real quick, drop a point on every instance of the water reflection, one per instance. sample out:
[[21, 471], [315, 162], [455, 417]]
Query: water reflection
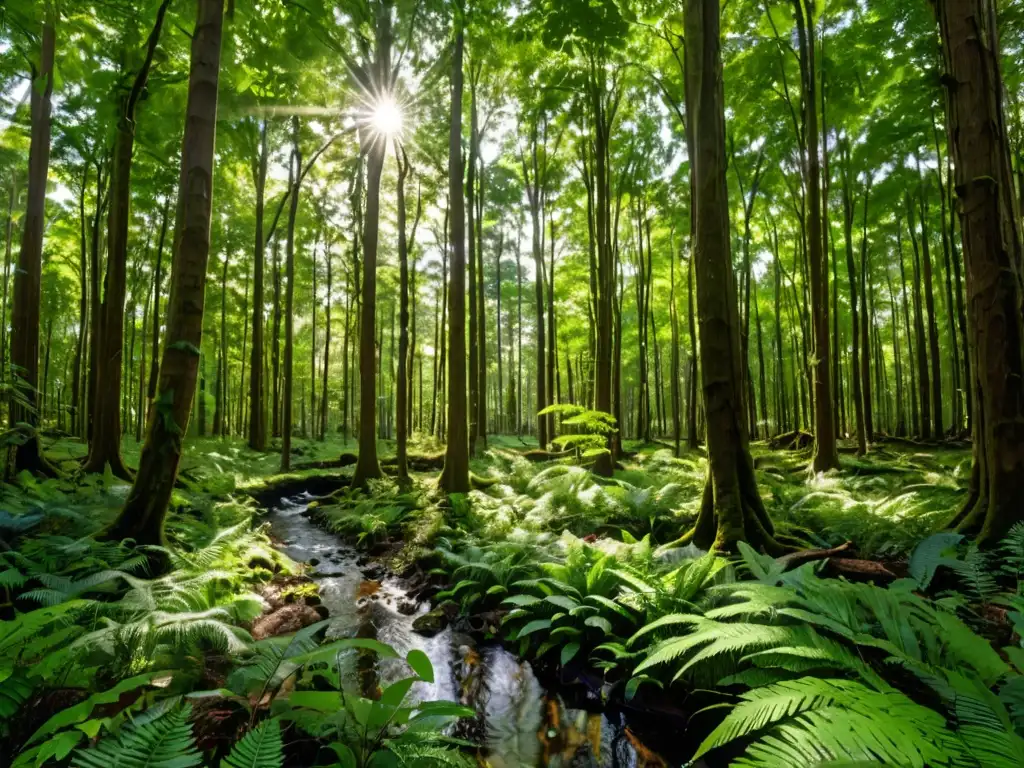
[[519, 723]]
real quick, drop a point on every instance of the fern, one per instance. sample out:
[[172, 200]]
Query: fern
[[164, 742], [259, 748], [809, 721]]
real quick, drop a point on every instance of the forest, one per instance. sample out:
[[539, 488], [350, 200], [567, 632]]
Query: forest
[[512, 383]]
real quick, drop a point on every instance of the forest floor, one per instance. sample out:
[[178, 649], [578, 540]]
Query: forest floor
[[543, 562]]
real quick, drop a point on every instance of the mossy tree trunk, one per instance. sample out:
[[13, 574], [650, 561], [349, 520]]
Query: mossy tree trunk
[[142, 517], [993, 257], [731, 509]]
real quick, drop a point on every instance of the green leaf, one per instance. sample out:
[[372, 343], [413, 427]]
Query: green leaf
[[259, 748], [420, 663], [569, 652], [534, 626]]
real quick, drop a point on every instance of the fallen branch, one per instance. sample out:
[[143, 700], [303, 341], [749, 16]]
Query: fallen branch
[[795, 559]]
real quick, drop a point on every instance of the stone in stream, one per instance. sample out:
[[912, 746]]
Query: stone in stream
[[435, 621]]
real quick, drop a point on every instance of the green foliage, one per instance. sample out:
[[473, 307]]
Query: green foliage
[[163, 741], [259, 748]]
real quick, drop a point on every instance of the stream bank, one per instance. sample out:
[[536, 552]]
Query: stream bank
[[526, 717]]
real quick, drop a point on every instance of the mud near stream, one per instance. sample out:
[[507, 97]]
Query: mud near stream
[[520, 724]]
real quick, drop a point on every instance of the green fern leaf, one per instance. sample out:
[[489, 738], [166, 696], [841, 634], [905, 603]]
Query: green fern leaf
[[165, 742], [259, 748]]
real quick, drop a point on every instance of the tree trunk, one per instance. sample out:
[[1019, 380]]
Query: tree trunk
[[855, 302], [919, 337], [289, 319], [143, 514], [220, 401], [374, 146], [993, 257], [275, 347], [27, 277], [474, 363], [83, 303], [105, 443], [154, 364], [402, 403], [933, 329], [257, 386], [677, 425], [481, 325], [731, 509], [455, 475], [946, 228], [866, 316], [327, 344]]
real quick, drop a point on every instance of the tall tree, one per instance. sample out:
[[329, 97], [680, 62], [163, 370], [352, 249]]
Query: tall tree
[[455, 474], [374, 145], [105, 441], [28, 276], [990, 225], [142, 517], [731, 508]]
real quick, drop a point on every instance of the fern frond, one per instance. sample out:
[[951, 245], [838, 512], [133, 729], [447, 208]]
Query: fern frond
[[165, 742], [259, 748]]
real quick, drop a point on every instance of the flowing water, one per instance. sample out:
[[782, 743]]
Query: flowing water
[[523, 724]]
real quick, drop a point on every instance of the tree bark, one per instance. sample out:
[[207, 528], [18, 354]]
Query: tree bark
[[455, 475], [27, 277], [374, 146], [105, 443], [993, 256], [933, 329], [143, 514], [289, 320], [731, 509], [257, 391], [402, 403], [919, 336]]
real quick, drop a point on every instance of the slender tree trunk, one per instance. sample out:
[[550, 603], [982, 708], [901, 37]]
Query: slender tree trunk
[[914, 423], [866, 316], [455, 475], [143, 514], [220, 404], [257, 386], [289, 318], [402, 404], [855, 304], [502, 427], [552, 353], [919, 337], [275, 347], [154, 370], [242, 421], [27, 277], [327, 344], [677, 425], [105, 443], [933, 329]]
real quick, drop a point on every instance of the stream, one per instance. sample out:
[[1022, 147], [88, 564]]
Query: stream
[[523, 723]]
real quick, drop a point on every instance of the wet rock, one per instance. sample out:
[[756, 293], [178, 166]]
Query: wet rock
[[435, 621], [407, 607], [284, 620], [314, 561], [374, 572], [322, 611]]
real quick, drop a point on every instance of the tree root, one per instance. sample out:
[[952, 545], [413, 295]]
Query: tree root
[[795, 559]]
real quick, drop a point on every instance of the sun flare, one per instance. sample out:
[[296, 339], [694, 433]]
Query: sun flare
[[386, 117]]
